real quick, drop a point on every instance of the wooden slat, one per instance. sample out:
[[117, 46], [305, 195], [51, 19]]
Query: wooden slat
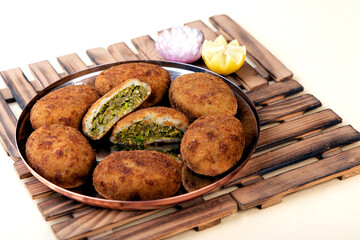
[[331, 152], [59, 206], [95, 222], [19, 85], [248, 75], [297, 152], [44, 72], [37, 189], [272, 190], [121, 52], [100, 56], [290, 130], [146, 47], [182, 220], [209, 34], [7, 130], [255, 50], [6, 94], [249, 78], [262, 73], [21, 170], [278, 89], [71, 63], [286, 107]]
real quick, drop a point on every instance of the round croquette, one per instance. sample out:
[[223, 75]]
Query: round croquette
[[60, 154], [137, 175], [197, 94], [157, 77], [65, 106], [213, 144]]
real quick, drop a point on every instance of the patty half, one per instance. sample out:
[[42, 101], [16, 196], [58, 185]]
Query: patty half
[[157, 77], [150, 125], [65, 106], [137, 175], [198, 94], [107, 110], [61, 154], [213, 144]]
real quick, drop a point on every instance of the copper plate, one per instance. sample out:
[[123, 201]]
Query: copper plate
[[246, 113]]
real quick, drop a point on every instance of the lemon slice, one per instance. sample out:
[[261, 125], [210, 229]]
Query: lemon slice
[[223, 57]]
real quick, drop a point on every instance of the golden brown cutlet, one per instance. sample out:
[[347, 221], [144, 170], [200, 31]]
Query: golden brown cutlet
[[213, 144], [60, 154], [137, 175], [198, 94], [65, 106]]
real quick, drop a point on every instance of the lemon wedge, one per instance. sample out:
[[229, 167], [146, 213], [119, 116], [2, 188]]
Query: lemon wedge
[[223, 57]]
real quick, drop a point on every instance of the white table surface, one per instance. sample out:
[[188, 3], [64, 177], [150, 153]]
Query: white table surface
[[317, 40]]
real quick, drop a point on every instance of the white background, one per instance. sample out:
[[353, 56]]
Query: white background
[[317, 40]]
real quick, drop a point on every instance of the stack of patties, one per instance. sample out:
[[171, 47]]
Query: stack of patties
[[123, 104], [56, 149], [215, 140], [125, 87]]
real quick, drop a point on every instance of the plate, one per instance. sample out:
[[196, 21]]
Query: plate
[[246, 113]]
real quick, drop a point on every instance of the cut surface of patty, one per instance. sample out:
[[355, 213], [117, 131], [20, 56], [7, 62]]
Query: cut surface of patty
[[142, 132], [106, 111], [126, 100]]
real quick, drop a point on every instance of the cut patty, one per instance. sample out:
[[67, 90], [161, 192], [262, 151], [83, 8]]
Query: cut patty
[[157, 77], [150, 125], [107, 110]]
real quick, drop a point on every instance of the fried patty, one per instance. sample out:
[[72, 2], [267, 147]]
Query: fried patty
[[150, 125], [65, 106], [197, 94], [115, 104], [60, 154], [154, 75], [213, 144], [137, 175]]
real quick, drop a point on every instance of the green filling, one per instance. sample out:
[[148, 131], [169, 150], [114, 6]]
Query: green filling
[[141, 133], [126, 100], [170, 149]]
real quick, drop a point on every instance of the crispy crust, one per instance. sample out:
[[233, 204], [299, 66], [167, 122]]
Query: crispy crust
[[137, 175], [161, 115], [65, 106], [154, 75], [91, 113], [61, 154], [198, 94], [213, 144]]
